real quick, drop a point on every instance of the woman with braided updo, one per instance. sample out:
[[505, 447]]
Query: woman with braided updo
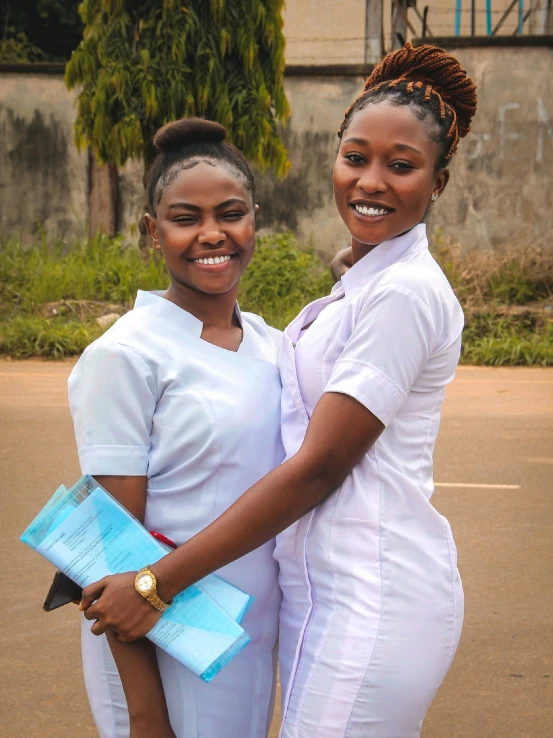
[[372, 601]]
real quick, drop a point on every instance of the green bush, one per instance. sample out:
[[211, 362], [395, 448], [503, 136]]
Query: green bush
[[83, 278], [282, 279]]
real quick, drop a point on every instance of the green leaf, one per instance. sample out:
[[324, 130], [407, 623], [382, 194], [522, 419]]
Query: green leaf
[[141, 64]]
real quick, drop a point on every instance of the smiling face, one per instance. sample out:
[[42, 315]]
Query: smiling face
[[205, 228], [385, 174]]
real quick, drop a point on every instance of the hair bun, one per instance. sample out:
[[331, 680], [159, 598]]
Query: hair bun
[[186, 131], [434, 67]]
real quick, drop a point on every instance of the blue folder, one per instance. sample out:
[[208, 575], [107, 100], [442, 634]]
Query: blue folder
[[87, 534]]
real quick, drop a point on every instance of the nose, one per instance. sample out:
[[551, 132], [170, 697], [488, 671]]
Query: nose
[[212, 235], [372, 179]]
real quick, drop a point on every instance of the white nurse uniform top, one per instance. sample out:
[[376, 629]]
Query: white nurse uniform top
[[150, 397], [372, 601]]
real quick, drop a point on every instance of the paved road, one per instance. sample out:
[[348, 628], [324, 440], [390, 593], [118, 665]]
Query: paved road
[[497, 430]]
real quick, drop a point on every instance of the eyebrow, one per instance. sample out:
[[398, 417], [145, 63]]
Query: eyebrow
[[362, 141], [197, 209], [400, 146], [406, 147], [183, 206]]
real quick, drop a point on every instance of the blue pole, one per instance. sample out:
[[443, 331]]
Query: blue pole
[[458, 18], [489, 17], [520, 16]]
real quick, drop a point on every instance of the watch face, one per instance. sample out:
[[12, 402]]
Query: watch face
[[144, 583]]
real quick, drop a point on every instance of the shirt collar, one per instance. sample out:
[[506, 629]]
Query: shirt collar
[[384, 255], [156, 303]]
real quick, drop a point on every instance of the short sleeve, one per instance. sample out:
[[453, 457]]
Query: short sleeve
[[112, 398], [388, 348]]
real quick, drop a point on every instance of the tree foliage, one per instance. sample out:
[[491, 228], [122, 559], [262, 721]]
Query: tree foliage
[[142, 63]]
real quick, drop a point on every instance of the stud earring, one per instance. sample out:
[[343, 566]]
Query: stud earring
[[434, 197]]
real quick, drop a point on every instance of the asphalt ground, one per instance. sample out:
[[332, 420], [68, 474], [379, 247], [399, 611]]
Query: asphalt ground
[[497, 430]]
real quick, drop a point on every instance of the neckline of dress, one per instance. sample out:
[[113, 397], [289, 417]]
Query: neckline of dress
[[381, 257], [384, 255], [155, 299]]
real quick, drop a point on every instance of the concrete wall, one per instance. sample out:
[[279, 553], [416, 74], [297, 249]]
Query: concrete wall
[[500, 190], [43, 178]]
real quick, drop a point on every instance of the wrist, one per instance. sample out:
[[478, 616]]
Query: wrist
[[167, 589]]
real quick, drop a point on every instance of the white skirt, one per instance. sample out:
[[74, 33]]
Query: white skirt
[[363, 645]]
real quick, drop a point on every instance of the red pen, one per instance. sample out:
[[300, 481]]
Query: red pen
[[163, 539]]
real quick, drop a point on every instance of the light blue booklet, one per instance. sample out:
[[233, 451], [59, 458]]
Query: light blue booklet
[[87, 534]]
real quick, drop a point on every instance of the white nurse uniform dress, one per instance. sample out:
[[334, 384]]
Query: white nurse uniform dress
[[372, 601], [150, 397]]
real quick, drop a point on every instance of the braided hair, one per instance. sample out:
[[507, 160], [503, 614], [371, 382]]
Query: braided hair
[[183, 143], [430, 80]]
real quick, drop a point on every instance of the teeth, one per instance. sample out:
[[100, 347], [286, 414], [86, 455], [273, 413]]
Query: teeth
[[370, 211], [214, 259]]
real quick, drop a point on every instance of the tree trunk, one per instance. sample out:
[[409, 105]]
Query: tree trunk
[[102, 197]]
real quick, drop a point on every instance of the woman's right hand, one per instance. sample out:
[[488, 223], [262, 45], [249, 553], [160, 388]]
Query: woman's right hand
[[342, 262]]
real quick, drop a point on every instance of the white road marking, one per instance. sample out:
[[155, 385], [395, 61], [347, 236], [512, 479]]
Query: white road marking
[[33, 374], [489, 380], [477, 486]]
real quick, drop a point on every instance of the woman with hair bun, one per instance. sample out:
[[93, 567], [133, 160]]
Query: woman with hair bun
[[177, 412], [372, 604]]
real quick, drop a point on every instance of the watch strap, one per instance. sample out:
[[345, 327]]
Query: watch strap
[[157, 602], [152, 596]]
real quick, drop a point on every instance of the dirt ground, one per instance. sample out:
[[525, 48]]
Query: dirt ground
[[494, 468]]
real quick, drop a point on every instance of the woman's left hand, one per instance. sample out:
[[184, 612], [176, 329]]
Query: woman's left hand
[[115, 605]]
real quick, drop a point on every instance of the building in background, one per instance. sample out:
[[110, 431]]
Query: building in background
[[334, 31], [500, 192]]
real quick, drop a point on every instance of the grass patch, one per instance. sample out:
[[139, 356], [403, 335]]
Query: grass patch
[[52, 294], [483, 278], [507, 296], [25, 336], [497, 340], [101, 269]]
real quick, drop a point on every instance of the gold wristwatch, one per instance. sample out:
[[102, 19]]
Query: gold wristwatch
[[145, 584]]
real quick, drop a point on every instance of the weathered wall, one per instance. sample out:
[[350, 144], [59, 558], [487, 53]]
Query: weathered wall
[[43, 178], [500, 190], [304, 201]]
